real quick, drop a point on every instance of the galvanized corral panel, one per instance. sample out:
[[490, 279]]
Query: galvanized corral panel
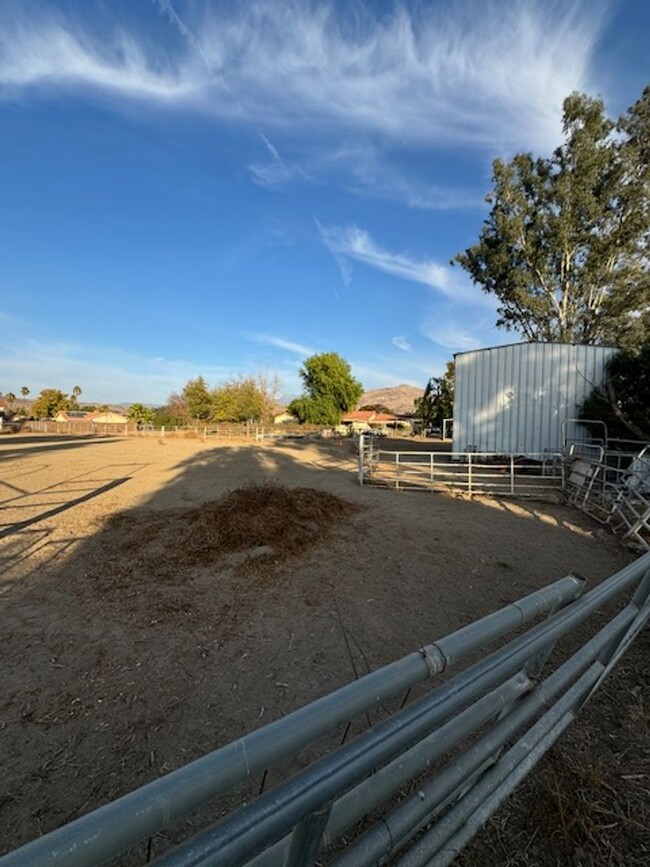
[[513, 399]]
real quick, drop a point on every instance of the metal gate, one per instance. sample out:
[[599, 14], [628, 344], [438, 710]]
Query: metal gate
[[506, 708], [532, 475]]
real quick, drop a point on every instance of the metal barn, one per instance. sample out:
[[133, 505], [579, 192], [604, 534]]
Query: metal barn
[[513, 399]]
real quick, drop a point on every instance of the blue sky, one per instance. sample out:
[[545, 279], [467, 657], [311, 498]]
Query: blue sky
[[227, 187]]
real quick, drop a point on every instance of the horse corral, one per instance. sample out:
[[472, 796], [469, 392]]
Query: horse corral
[[133, 644]]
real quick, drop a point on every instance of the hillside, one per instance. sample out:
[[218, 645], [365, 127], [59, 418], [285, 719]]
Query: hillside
[[398, 399]]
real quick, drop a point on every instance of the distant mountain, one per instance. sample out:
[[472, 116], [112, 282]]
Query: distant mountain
[[398, 399]]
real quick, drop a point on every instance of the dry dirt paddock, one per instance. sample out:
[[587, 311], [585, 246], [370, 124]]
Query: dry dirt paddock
[[128, 651]]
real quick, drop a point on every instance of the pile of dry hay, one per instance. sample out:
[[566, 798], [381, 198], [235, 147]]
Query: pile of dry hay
[[272, 519]]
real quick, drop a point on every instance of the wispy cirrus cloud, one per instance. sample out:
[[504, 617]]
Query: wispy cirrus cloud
[[448, 331], [45, 49], [456, 316], [374, 175], [275, 172], [352, 243], [401, 343], [482, 73], [281, 343]]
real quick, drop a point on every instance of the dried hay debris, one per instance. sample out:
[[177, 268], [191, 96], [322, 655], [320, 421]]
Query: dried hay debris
[[268, 521]]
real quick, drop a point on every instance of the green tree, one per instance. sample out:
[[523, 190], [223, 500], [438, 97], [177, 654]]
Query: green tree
[[198, 399], [10, 398], [49, 402], [140, 413], [24, 391], [437, 402], [623, 400], [76, 394], [566, 245], [330, 390], [246, 398]]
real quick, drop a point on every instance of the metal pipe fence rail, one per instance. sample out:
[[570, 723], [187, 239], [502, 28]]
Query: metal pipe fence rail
[[536, 474], [496, 717]]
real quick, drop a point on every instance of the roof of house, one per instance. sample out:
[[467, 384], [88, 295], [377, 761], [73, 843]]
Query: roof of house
[[108, 418], [368, 415], [74, 413]]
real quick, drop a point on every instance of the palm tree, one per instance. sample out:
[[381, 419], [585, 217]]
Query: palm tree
[[10, 397], [24, 391]]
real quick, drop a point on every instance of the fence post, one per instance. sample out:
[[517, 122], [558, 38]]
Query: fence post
[[431, 462], [396, 470], [469, 472], [361, 444], [512, 474]]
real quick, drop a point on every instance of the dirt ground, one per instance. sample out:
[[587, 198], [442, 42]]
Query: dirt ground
[[124, 659]]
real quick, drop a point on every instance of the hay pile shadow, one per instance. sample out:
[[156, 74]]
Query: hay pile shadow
[[268, 522]]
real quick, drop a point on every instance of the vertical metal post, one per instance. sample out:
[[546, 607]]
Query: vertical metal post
[[431, 469], [361, 460], [306, 839], [396, 469], [512, 474], [469, 472]]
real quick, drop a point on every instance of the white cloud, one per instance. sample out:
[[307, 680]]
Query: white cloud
[[450, 335], [374, 175], [106, 373], [281, 343], [401, 343], [48, 50], [276, 172], [351, 242], [457, 317], [476, 72], [459, 327], [422, 197], [271, 149]]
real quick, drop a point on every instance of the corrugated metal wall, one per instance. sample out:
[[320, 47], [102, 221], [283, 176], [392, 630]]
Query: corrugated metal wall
[[513, 399]]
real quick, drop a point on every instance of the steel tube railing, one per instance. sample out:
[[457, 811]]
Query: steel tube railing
[[380, 786], [411, 814], [261, 824], [502, 792], [459, 825], [474, 472], [111, 829]]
